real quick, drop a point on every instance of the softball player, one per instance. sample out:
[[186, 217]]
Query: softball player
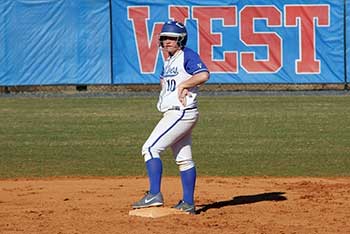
[[183, 72]]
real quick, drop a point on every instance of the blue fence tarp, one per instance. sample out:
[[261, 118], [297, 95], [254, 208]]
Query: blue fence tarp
[[55, 42]]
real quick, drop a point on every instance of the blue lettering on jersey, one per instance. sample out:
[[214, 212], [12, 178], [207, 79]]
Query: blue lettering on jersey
[[171, 71]]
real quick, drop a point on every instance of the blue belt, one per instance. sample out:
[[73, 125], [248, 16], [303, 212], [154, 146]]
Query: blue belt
[[178, 108]]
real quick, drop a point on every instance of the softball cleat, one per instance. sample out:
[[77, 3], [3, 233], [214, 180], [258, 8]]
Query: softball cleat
[[185, 207], [149, 200]]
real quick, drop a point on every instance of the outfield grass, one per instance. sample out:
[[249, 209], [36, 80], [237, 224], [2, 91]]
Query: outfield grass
[[236, 136]]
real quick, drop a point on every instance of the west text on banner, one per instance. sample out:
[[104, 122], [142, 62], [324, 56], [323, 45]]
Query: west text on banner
[[250, 41]]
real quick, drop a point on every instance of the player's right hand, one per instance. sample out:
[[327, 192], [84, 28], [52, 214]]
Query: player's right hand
[[182, 96]]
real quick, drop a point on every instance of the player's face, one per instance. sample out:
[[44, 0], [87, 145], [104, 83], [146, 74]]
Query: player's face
[[170, 44]]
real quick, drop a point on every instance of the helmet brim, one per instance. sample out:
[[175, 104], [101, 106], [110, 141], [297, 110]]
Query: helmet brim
[[172, 34]]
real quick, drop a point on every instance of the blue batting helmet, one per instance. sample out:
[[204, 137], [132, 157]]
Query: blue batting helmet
[[174, 29]]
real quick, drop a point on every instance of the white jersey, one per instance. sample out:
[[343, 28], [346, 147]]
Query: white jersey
[[180, 67]]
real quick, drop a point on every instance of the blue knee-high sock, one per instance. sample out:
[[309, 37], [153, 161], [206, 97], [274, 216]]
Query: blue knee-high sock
[[154, 170], [188, 179]]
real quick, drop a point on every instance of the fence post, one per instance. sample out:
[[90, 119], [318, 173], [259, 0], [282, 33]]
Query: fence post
[[346, 84], [111, 38]]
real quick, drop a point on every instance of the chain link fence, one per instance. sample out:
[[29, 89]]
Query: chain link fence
[[154, 88]]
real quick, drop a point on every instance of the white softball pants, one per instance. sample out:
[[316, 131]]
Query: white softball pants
[[173, 130]]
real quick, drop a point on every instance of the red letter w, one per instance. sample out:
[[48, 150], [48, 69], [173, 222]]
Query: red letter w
[[147, 50]]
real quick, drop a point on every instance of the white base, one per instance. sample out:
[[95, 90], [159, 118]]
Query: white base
[[155, 212]]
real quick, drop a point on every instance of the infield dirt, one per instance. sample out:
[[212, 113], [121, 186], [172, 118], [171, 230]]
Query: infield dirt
[[224, 205]]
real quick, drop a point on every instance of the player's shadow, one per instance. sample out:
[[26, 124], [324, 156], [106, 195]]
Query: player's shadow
[[242, 200]]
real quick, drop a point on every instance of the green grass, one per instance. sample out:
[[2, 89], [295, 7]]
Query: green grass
[[235, 136]]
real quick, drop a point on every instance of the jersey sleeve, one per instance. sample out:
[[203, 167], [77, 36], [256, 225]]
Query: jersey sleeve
[[193, 63]]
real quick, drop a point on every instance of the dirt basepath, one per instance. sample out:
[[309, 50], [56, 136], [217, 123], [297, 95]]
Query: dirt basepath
[[225, 205]]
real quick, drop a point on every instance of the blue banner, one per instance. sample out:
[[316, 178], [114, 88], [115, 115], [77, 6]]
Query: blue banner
[[116, 41], [251, 41], [54, 42]]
